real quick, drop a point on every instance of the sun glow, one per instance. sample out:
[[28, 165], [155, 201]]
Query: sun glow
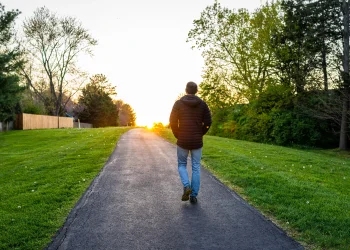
[[153, 110], [148, 120], [150, 125]]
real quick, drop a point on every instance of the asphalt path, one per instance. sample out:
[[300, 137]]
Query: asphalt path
[[135, 203]]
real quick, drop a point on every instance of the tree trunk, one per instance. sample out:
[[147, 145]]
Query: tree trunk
[[344, 120], [324, 66], [324, 47]]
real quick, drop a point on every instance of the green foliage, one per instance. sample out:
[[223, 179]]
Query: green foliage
[[32, 109], [274, 118], [308, 43], [30, 104], [290, 128], [236, 49], [296, 59], [98, 107], [304, 191], [9, 96], [256, 127], [274, 98], [214, 89], [219, 117], [282, 124], [43, 173], [9, 64]]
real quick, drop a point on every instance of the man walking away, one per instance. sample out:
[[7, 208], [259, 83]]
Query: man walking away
[[190, 119]]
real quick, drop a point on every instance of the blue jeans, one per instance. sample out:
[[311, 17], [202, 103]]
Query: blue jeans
[[196, 155]]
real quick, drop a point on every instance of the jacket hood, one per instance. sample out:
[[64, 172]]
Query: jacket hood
[[191, 100]]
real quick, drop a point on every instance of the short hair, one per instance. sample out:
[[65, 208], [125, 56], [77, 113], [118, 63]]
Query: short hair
[[191, 88]]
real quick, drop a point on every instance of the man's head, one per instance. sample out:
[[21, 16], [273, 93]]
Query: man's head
[[191, 88]]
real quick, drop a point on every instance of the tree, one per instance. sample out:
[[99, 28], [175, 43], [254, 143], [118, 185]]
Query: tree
[[98, 107], [9, 64], [311, 31], [296, 58], [52, 45], [127, 116], [325, 32], [236, 48], [346, 78]]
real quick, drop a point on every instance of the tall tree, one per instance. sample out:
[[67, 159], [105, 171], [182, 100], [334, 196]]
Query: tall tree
[[52, 45], [325, 32], [311, 31], [237, 45], [9, 65], [295, 55], [98, 107], [346, 78]]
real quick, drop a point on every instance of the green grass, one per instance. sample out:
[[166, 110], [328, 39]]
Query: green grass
[[43, 173], [306, 192]]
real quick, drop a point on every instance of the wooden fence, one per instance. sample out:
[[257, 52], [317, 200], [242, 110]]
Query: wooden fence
[[29, 121]]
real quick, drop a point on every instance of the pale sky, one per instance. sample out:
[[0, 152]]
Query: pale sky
[[141, 47]]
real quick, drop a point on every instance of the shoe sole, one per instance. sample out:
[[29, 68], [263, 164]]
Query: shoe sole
[[186, 196]]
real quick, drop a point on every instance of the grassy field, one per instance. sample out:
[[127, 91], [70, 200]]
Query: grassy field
[[43, 173], [306, 192]]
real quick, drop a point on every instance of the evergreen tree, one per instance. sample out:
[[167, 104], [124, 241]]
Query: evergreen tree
[[325, 33], [311, 33], [9, 64], [98, 107], [344, 127]]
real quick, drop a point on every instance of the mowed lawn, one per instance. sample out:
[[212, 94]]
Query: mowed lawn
[[43, 173], [306, 192]]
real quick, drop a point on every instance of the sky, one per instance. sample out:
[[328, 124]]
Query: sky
[[142, 46]]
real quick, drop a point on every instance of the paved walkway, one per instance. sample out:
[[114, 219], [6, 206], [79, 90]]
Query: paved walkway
[[135, 203]]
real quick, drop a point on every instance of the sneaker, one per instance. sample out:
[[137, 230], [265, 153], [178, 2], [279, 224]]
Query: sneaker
[[186, 195], [193, 199]]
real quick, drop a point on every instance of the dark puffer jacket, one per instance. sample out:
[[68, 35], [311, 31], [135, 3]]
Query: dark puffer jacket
[[190, 119]]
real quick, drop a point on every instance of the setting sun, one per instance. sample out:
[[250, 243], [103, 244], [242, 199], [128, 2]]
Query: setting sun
[[154, 111]]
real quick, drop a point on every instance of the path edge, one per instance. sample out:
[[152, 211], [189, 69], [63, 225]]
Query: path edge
[[60, 235]]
